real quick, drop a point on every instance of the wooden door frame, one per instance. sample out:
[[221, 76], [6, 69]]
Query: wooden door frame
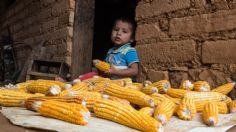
[[82, 45]]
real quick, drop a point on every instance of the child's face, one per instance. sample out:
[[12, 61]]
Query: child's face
[[121, 33]]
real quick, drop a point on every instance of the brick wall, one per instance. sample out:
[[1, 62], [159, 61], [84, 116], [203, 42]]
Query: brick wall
[[187, 39], [33, 21]]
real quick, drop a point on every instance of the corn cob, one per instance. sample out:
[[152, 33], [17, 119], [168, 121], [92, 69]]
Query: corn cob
[[125, 115], [164, 111], [187, 109], [201, 86], [162, 85], [28, 103], [14, 98], [158, 98], [224, 89], [61, 84], [146, 83], [175, 100], [228, 100], [186, 85], [122, 101], [80, 86], [176, 93], [205, 96], [89, 97], [232, 106], [133, 96], [101, 65], [22, 86], [210, 114], [222, 106], [149, 90], [47, 88], [70, 112], [138, 85], [147, 111]]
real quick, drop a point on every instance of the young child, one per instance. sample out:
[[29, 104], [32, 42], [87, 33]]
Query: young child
[[122, 56]]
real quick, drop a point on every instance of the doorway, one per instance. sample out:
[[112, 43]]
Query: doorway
[[106, 11]]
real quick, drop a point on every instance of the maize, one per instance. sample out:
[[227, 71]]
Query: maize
[[147, 111], [28, 103], [164, 111], [205, 96], [232, 106], [14, 98], [186, 85], [224, 89], [70, 112], [222, 106], [162, 85], [201, 86], [61, 84], [187, 109], [176, 93], [210, 114], [133, 96], [125, 115], [122, 101], [149, 90], [47, 88], [101, 65]]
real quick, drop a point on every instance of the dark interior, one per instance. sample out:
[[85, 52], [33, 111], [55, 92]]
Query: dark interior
[[106, 11]]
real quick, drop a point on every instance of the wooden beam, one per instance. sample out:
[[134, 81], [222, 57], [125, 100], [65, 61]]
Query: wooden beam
[[82, 37]]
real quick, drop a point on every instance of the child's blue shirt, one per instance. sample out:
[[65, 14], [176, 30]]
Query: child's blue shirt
[[122, 57]]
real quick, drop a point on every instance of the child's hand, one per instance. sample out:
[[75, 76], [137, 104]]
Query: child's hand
[[111, 71]]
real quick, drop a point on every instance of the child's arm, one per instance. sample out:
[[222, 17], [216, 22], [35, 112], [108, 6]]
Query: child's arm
[[130, 72]]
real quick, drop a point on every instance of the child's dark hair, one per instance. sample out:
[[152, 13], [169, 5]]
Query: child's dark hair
[[133, 26]]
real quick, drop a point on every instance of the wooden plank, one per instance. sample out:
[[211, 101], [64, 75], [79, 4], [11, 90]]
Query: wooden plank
[[82, 37], [42, 74]]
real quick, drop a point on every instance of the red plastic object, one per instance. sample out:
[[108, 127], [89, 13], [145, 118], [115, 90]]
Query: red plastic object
[[87, 75]]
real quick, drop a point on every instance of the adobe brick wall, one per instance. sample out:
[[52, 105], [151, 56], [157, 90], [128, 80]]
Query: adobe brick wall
[[32, 21], [187, 39]]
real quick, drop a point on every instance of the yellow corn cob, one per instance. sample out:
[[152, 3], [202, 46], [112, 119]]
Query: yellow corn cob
[[158, 98], [89, 97], [14, 98], [28, 103], [122, 101], [96, 87], [101, 65], [186, 85], [224, 89], [228, 100], [175, 100], [22, 86], [126, 115], [162, 85], [176, 93], [187, 109], [201, 86], [80, 86], [149, 90], [222, 106], [147, 111], [139, 85], [210, 114], [47, 88], [61, 84], [232, 106], [146, 83], [164, 111], [133, 96], [205, 96], [70, 112]]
